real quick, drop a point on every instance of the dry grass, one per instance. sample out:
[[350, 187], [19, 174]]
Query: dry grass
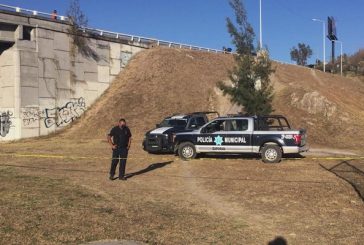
[[166, 201], [43, 210], [65, 201]]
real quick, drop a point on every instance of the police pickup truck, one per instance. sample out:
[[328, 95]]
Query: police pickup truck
[[270, 136], [160, 139]]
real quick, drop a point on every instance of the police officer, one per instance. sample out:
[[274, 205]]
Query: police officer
[[120, 139]]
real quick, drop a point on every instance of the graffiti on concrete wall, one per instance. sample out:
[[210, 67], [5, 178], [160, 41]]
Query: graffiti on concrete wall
[[5, 123], [60, 116], [30, 116], [125, 57]]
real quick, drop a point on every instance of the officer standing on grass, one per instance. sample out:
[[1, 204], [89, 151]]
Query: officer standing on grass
[[120, 139]]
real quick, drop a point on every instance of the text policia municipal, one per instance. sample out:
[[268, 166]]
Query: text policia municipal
[[210, 139]]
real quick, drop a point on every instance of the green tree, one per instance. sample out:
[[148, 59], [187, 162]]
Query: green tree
[[301, 54], [251, 87]]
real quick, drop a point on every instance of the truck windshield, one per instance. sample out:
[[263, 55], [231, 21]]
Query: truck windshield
[[173, 123]]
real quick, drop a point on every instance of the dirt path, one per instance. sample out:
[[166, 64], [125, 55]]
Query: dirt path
[[214, 203], [217, 204], [317, 79]]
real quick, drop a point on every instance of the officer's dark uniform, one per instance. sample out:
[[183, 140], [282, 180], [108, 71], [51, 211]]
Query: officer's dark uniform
[[120, 138]]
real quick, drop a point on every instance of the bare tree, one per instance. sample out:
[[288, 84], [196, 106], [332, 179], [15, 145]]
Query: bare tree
[[79, 20]]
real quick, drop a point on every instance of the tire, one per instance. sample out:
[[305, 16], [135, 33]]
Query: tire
[[186, 151], [271, 154]]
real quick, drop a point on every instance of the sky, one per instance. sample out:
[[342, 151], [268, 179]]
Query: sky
[[285, 23]]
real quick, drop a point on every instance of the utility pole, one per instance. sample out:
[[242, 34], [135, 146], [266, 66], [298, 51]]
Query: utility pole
[[341, 56], [333, 54], [260, 25]]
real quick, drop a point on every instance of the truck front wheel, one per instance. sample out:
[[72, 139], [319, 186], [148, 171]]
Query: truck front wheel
[[187, 151], [271, 153]]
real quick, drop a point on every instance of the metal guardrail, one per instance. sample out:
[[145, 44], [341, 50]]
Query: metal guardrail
[[147, 40], [116, 35], [31, 12]]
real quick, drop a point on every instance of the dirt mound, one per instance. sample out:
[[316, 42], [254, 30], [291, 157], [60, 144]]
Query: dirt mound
[[160, 82], [156, 83], [329, 106]]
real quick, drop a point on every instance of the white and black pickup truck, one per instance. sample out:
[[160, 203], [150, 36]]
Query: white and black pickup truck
[[271, 136], [160, 139]]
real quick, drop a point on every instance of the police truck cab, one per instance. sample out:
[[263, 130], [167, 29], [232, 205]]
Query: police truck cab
[[271, 136]]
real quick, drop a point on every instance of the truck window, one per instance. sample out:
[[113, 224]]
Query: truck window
[[193, 123], [263, 124], [200, 121], [196, 122], [214, 126], [237, 125], [173, 123]]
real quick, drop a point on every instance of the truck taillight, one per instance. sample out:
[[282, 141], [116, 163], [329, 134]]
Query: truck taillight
[[297, 139]]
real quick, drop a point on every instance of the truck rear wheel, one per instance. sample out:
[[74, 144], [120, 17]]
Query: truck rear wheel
[[187, 151], [271, 153]]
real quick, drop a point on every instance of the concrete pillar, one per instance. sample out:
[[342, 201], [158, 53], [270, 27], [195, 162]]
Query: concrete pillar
[[19, 33], [17, 94]]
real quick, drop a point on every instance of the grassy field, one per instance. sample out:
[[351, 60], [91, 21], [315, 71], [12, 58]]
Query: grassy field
[[167, 201]]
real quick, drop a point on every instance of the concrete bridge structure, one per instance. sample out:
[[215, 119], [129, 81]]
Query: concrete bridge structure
[[46, 81]]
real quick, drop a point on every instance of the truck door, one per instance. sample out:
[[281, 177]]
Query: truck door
[[238, 135], [211, 137]]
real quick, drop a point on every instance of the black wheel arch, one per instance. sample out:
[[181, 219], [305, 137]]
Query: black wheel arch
[[271, 141], [179, 142]]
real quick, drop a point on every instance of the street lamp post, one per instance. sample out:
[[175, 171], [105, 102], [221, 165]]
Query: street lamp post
[[323, 38], [260, 25], [341, 56]]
